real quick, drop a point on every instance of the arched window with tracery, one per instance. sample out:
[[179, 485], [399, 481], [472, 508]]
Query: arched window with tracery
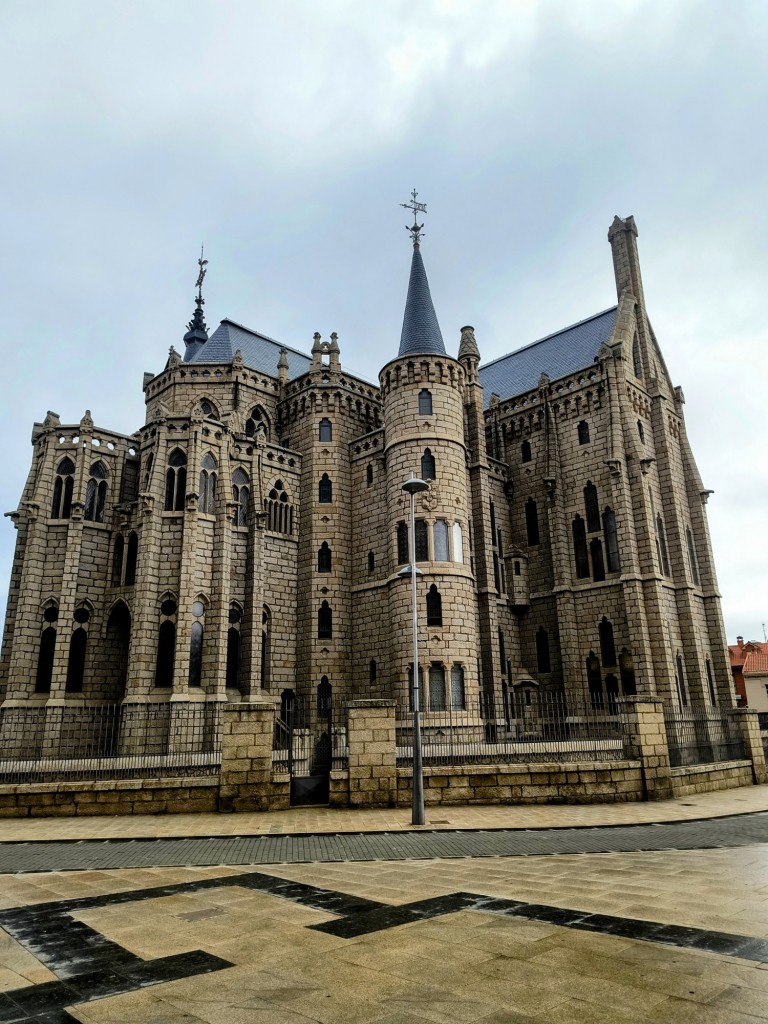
[[324, 558], [324, 622], [47, 650], [257, 420], [207, 498], [62, 490], [403, 555], [209, 410], [279, 510], [427, 465], [176, 481], [96, 493], [579, 534], [607, 643], [325, 490], [131, 559], [532, 522], [241, 493], [117, 561], [611, 541], [196, 635], [543, 660], [434, 607], [425, 402], [591, 508], [77, 651]]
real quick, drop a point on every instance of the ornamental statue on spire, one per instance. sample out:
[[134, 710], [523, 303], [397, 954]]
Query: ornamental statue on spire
[[197, 333]]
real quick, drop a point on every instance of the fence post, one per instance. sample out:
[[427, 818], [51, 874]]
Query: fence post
[[645, 740], [372, 753], [246, 756], [747, 722]]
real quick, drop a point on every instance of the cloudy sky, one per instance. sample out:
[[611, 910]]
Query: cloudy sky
[[283, 134]]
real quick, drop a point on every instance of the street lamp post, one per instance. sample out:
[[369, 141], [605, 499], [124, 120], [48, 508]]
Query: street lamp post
[[413, 487]]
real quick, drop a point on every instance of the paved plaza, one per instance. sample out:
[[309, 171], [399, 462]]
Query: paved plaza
[[486, 914]]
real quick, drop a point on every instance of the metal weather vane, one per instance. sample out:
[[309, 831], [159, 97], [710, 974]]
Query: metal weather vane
[[199, 283], [415, 228]]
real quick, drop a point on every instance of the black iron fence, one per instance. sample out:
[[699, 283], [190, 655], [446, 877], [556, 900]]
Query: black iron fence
[[109, 741], [310, 737], [521, 727], [702, 735]]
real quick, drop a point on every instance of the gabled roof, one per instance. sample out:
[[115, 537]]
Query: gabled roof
[[574, 348], [259, 352], [756, 663], [421, 331]]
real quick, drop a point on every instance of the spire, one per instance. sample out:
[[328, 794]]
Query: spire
[[421, 331], [198, 329]]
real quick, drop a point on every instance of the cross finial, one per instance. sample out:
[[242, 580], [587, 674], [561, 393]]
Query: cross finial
[[199, 283], [415, 228]]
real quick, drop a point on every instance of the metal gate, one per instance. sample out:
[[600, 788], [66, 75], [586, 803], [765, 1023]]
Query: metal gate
[[310, 741]]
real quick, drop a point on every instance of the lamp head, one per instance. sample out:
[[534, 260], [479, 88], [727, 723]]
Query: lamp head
[[414, 485]]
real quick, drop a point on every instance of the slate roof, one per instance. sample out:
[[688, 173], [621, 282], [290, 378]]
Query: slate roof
[[574, 348], [259, 352], [421, 331]]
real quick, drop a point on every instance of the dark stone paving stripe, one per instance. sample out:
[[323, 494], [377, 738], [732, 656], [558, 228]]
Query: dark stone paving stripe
[[739, 830]]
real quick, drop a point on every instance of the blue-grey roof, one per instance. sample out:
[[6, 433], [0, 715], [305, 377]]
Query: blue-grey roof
[[259, 352], [421, 331], [574, 348]]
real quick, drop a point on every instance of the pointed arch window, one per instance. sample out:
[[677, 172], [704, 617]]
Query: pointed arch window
[[403, 556], [325, 430], [371, 561], [525, 451], [612, 692], [607, 643], [427, 465], [369, 474], [96, 493], [594, 680], [76, 660], [325, 489], [196, 653], [543, 659], [324, 698], [680, 678], [62, 490], [440, 540], [257, 420], [234, 647], [175, 481], [279, 509], [532, 522], [434, 607], [241, 493], [579, 535], [324, 558], [208, 474], [209, 409], [131, 559], [692, 557], [582, 431], [596, 556], [422, 541], [711, 683], [436, 688], [266, 648], [148, 471], [591, 508], [425, 403], [641, 431], [458, 697], [611, 541], [372, 670], [166, 654], [45, 660], [627, 673], [324, 622], [661, 545], [117, 561]]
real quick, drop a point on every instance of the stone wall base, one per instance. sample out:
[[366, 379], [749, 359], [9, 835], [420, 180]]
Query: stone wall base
[[705, 778], [563, 783], [193, 795]]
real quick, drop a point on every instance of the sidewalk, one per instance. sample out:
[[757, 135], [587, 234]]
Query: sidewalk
[[319, 820]]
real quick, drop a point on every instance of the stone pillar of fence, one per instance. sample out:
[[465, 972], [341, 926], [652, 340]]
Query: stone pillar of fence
[[372, 753], [645, 740], [247, 731], [747, 722]]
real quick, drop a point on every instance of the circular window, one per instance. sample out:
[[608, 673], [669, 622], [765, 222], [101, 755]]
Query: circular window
[[81, 615], [51, 614], [235, 615], [168, 607], [198, 609]]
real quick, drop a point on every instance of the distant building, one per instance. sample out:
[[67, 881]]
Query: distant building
[[749, 665], [250, 536]]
